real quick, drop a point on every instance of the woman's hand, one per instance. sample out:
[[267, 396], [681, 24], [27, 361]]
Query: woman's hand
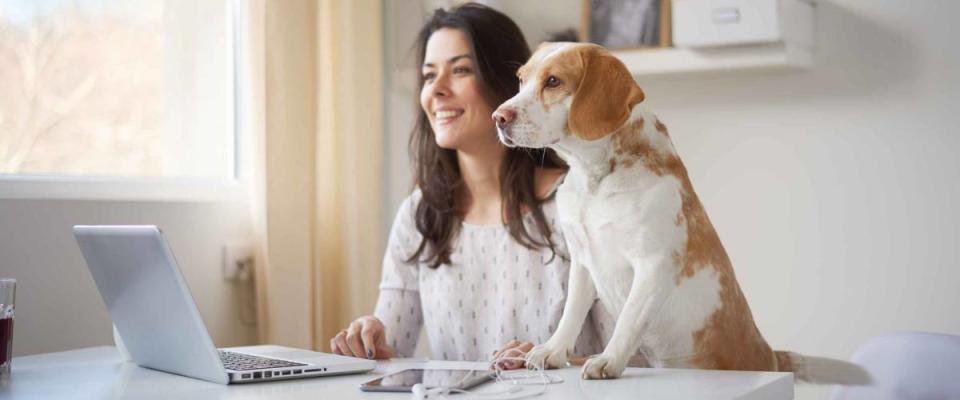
[[513, 349], [364, 338]]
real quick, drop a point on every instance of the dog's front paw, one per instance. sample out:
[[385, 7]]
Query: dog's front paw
[[547, 355], [602, 366]]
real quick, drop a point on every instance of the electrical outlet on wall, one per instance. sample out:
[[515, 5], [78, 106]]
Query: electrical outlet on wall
[[237, 261]]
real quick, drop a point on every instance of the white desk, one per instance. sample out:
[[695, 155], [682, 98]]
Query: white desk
[[98, 373]]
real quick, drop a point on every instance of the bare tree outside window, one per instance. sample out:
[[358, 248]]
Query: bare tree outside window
[[89, 87]]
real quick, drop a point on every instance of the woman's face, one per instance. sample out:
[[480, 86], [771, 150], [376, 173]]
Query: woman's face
[[452, 95]]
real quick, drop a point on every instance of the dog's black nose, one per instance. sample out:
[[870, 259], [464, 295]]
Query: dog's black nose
[[504, 117]]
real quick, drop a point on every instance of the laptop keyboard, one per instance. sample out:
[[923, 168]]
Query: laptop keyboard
[[246, 362]]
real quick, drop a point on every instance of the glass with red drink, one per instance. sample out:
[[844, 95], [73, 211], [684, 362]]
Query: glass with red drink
[[7, 292]]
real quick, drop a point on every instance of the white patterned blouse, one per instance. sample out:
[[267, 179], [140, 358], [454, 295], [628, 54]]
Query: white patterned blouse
[[493, 291]]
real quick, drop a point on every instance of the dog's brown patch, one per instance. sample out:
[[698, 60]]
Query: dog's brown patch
[[784, 362], [703, 245], [567, 66], [629, 140], [730, 339], [661, 127], [631, 145]]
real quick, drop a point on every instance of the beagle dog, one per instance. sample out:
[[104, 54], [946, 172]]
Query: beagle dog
[[638, 236]]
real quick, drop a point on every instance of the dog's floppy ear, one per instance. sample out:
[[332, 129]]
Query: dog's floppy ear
[[605, 97]]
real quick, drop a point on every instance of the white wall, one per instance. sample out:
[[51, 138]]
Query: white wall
[[58, 306], [834, 189]]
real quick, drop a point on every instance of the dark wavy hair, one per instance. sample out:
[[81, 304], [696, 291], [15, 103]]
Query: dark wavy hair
[[499, 49]]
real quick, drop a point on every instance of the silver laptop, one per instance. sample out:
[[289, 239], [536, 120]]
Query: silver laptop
[[159, 323]]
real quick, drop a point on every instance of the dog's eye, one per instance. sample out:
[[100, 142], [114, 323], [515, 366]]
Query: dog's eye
[[551, 82]]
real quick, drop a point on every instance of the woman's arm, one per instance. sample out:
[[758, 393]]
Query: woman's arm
[[400, 312]]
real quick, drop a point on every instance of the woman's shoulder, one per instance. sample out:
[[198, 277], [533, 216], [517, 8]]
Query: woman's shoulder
[[404, 220], [412, 200], [404, 236]]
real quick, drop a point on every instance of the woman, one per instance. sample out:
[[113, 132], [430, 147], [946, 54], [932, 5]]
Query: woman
[[474, 253]]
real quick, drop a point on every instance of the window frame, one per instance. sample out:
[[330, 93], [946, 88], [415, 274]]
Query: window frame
[[34, 187]]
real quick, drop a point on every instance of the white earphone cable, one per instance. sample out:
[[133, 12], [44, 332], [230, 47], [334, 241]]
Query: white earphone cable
[[534, 375]]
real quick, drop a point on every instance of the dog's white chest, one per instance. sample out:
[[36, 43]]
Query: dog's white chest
[[584, 218], [609, 224], [597, 222], [573, 199]]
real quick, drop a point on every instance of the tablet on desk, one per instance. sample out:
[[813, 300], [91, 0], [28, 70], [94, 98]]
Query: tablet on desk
[[403, 381]]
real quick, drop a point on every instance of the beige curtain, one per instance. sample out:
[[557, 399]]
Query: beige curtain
[[316, 190]]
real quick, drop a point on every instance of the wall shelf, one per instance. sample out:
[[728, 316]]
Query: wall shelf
[[703, 60], [731, 35]]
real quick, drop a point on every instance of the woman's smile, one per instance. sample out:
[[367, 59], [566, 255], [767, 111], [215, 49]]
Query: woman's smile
[[445, 116]]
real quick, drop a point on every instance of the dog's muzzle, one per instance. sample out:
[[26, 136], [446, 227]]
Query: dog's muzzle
[[504, 135]]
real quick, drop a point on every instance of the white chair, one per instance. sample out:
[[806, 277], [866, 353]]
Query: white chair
[[907, 366]]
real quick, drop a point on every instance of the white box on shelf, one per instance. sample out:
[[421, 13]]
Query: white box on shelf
[[709, 23], [731, 35]]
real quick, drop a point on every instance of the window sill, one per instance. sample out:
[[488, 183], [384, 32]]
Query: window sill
[[119, 189]]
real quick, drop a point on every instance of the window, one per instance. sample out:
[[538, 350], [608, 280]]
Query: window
[[117, 89]]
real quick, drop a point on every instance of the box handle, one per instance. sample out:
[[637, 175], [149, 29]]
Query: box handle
[[726, 15]]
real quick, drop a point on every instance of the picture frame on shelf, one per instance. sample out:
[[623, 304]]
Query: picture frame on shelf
[[626, 24]]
